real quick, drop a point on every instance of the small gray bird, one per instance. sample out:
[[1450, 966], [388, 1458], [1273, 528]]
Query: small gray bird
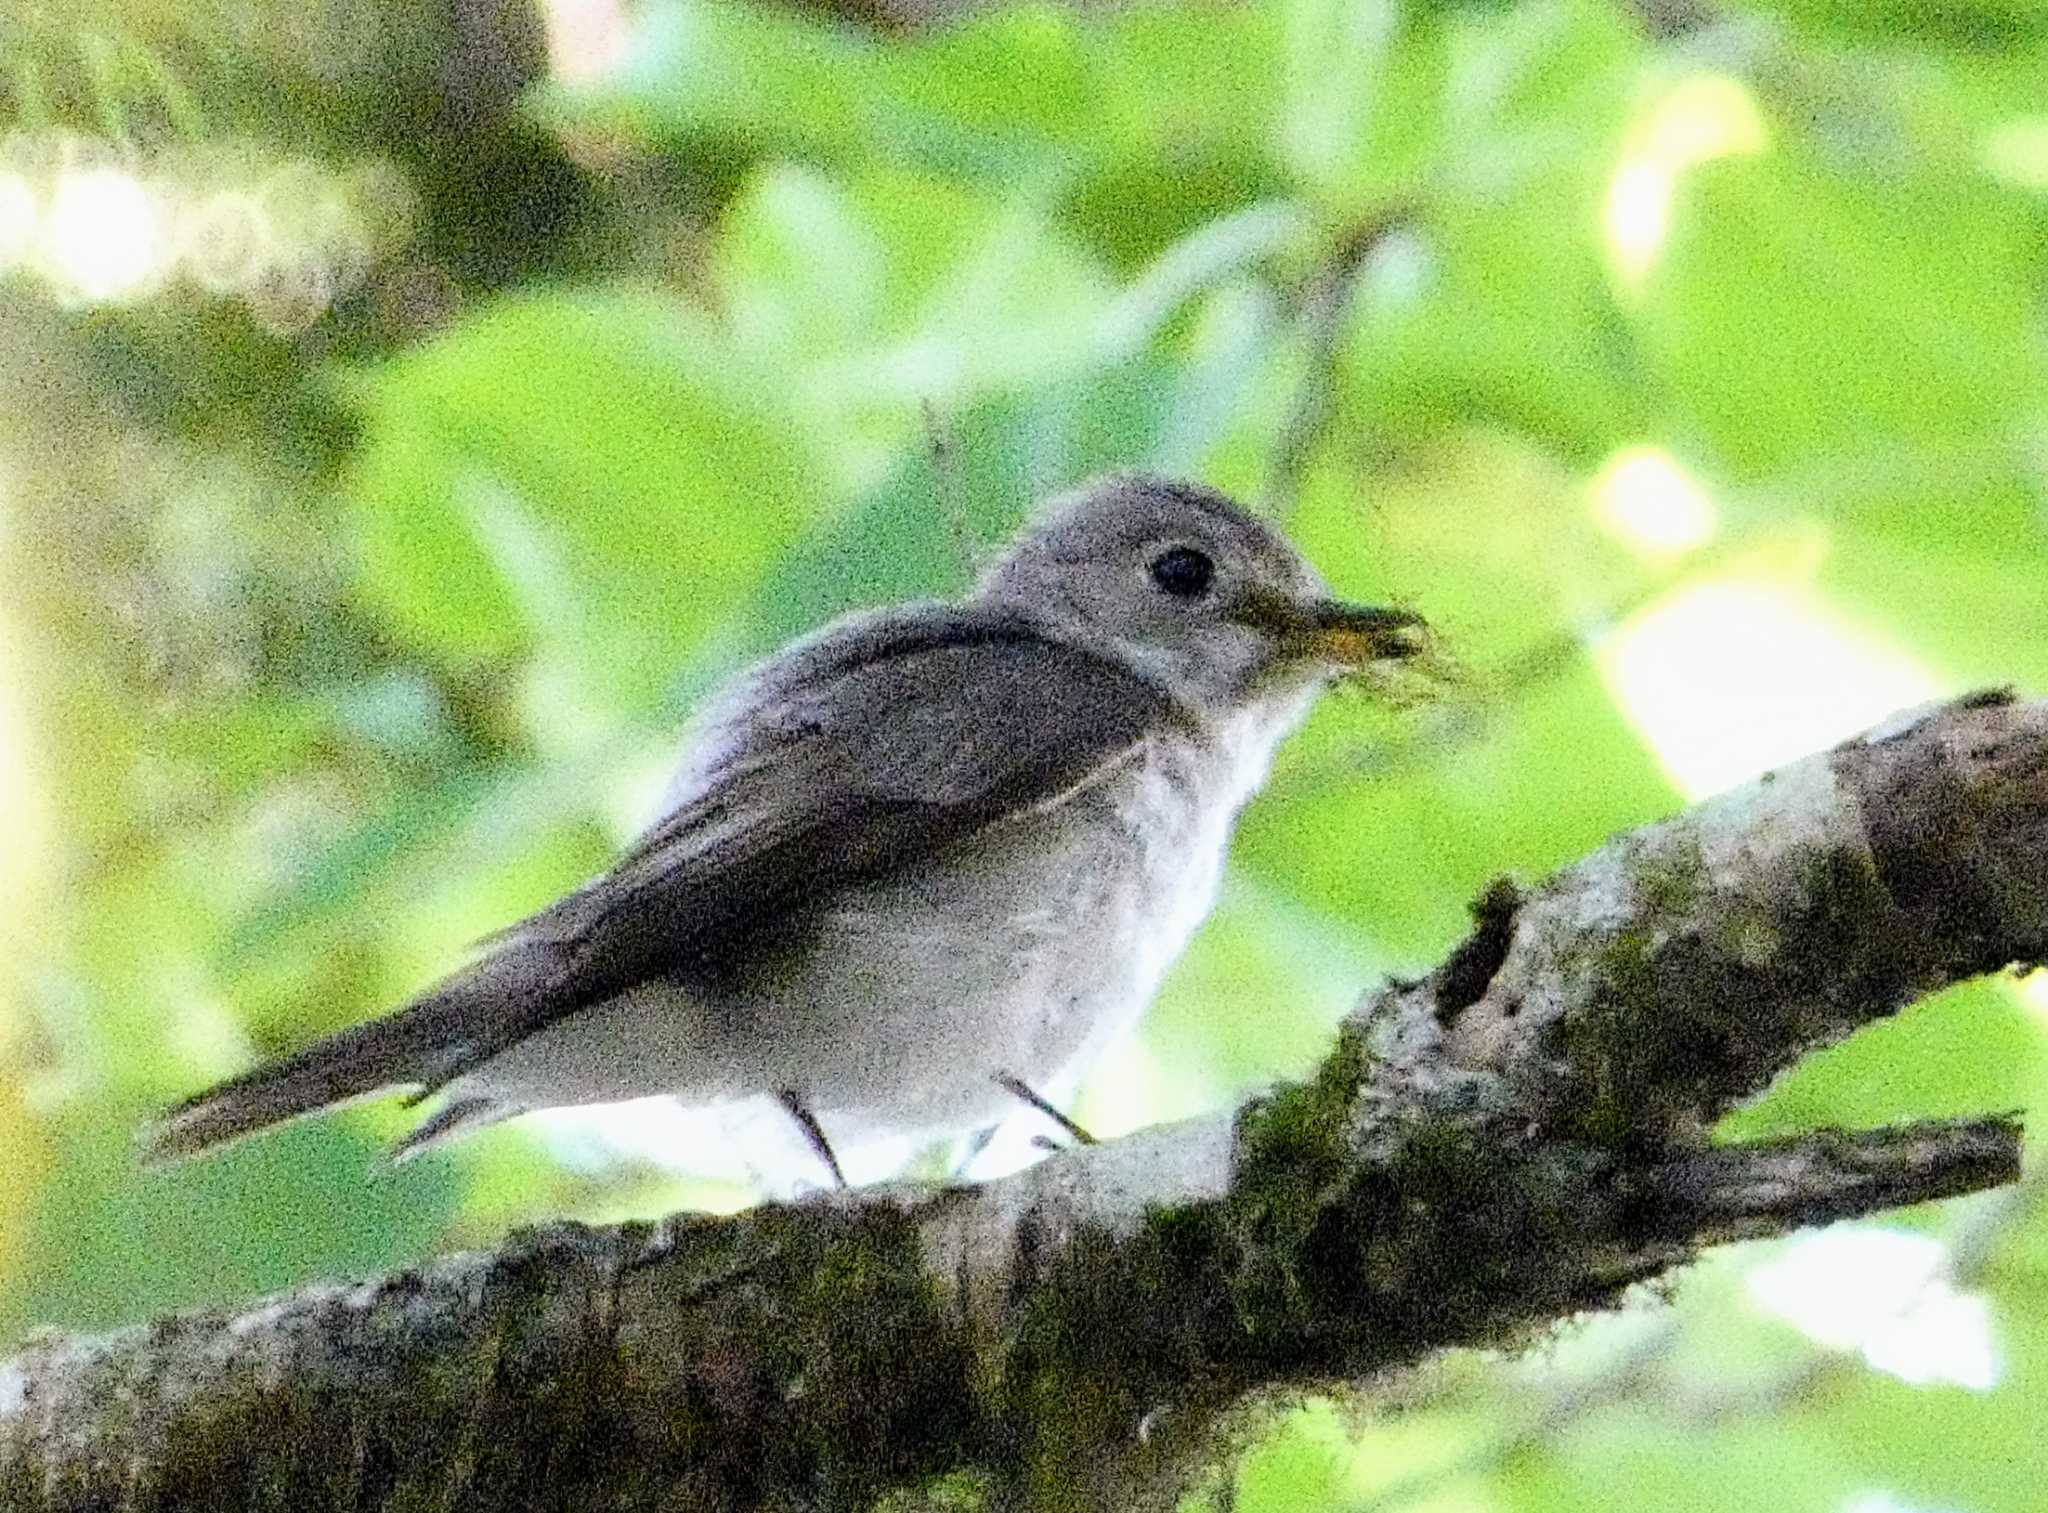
[[917, 865]]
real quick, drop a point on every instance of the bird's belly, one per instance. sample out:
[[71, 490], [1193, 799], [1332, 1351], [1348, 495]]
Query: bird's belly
[[1024, 954], [1026, 967]]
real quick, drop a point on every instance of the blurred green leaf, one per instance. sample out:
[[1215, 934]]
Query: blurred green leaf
[[592, 478], [1748, 1465], [1966, 25], [1959, 1053], [1008, 92], [294, 1206], [1954, 581], [1364, 82], [734, 74], [1873, 310]]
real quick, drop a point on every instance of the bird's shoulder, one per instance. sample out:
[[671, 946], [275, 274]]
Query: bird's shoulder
[[925, 639], [918, 691]]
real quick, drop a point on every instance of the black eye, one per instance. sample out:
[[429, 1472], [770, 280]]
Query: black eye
[[1183, 572]]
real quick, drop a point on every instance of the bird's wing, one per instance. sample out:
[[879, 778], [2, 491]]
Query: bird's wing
[[891, 738], [939, 725]]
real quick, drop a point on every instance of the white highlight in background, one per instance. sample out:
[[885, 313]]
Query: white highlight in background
[[1882, 1293], [1731, 677], [2017, 152], [1884, 1502], [104, 237], [587, 39], [1702, 117], [96, 225], [2032, 992], [1650, 503]]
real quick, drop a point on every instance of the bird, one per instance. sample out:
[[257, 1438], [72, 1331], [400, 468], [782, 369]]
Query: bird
[[913, 867]]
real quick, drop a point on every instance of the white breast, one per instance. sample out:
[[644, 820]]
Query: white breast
[[1181, 809]]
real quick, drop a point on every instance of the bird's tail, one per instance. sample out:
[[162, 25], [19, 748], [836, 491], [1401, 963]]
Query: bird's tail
[[420, 1046]]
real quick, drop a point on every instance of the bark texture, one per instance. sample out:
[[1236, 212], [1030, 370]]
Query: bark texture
[[1516, 1137]]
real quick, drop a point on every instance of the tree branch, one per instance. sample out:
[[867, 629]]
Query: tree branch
[[1516, 1137]]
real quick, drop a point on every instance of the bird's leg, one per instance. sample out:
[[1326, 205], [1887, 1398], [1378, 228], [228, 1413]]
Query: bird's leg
[[976, 1143], [792, 1101], [1018, 1088]]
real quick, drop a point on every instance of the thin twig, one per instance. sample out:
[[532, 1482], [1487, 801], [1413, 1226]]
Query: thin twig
[[1634, 1373], [1669, 20], [1323, 308], [948, 491]]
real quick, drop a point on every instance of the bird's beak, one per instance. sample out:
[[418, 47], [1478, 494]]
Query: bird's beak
[[1352, 635]]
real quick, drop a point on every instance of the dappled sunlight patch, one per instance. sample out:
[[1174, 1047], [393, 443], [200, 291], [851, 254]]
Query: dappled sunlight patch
[[103, 236], [1651, 504], [1885, 1502], [587, 39], [2017, 152], [1698, 119], [1726, 679], [1884, 1294], [96, 225], [1129, 1088], [2032, 992], [18, 213]]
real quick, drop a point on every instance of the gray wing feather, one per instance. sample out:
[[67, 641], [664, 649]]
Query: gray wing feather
[[806, 793], [987, 719]]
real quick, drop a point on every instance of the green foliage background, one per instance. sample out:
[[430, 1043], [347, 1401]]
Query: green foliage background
[[328, 643]]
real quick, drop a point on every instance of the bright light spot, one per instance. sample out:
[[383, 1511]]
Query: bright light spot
[[17, 219], [1646, 499], [586, 38], [1702, 117], [2017, 151], [1882, 1293], [1728, 679], [1125, 1090], [104, 234], [2033, 993], [1638, 217], [1884, 1502], [284, 236]]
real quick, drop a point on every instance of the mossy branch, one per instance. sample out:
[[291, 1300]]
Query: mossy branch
[[1516, 1137]]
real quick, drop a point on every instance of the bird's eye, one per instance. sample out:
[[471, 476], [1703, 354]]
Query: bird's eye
[[1183, 572]]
